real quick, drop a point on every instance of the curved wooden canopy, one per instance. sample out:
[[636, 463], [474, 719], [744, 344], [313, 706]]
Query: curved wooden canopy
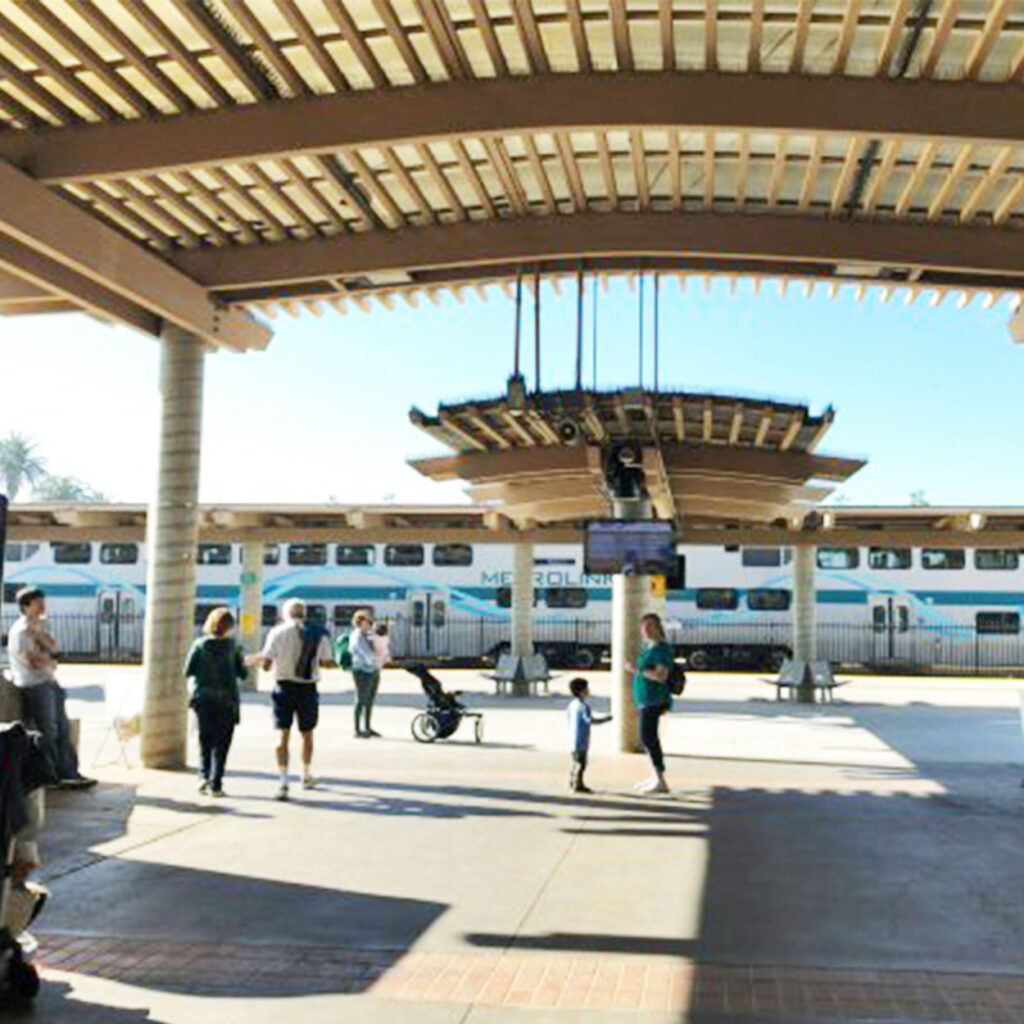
[[184, 161], [703, 458]]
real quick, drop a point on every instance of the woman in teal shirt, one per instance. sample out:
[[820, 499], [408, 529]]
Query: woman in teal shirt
[[652, 696]]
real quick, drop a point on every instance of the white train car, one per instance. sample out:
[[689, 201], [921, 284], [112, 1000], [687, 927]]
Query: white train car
[[878, 606]]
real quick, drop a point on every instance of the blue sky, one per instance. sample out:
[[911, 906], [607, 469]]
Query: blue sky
[[932, 397]]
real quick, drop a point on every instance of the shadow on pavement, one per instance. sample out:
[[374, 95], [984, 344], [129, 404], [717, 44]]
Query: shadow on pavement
[[57, 1002]]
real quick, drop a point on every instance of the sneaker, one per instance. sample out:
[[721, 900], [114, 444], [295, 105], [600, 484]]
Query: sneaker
[[371, 733], [217, 792], [655, 786], [308, 782], [204, 785], [79, 782], [282, 791], [360, 735], [581, 787], [641, 786]]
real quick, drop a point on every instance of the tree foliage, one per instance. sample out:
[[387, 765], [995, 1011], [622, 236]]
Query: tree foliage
[[20, 463]]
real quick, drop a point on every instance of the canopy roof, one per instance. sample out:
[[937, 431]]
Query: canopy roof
[[834, 526], [174, 160], [703, 458]]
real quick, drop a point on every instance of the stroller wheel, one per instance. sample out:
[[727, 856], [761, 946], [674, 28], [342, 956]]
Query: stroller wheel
[[478, 730], [22, 982], [424, 728]]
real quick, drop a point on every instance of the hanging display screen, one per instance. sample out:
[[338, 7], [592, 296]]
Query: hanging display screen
[[629, 547]]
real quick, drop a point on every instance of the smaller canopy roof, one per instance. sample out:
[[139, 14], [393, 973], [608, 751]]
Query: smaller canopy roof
[[544, 458]]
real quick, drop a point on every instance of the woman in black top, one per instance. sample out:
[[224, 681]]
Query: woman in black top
[[215, 665]]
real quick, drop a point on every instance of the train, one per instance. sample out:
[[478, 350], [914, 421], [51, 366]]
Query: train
[[880, 607]]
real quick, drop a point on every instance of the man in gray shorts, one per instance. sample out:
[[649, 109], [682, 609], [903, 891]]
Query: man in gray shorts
[[295, 650]]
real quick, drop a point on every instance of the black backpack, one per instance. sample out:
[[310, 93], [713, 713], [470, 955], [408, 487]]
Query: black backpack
[[676, 679]]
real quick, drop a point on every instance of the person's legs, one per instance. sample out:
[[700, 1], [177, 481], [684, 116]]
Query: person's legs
[[362, 683], [44, 705], [284, 713], [372, 684], [206, 739], [649, 719], [308, 708], [225, 729], [579, 766], [65, 748]]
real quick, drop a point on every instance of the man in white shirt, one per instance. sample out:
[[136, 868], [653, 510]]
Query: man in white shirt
[[295, 650], [33, 655]]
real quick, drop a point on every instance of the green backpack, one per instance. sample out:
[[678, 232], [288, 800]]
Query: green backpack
[[342, 655]]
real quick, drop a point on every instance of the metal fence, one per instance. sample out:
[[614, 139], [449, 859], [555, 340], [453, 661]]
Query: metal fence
[[585, 643]]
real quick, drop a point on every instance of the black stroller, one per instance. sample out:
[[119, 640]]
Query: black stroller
[[444, 710]]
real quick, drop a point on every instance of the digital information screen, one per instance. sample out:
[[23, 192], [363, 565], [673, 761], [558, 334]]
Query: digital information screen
[[633, 548]]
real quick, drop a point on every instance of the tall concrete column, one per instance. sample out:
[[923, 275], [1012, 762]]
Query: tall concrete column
[[251, 625], [171, 537], [805, 636], [522, 609], [629, 604]]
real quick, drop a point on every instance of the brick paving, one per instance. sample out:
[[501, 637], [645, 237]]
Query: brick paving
[[548, 981]]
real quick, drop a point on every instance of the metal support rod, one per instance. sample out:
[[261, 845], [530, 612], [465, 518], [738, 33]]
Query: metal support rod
[[536, 331], [519, 318], [640, 334], [579, 330], [594, 334], [657, 282]]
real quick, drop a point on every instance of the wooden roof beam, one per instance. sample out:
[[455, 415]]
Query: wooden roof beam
[[870, 107]]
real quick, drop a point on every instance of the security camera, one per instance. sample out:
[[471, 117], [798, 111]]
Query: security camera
[[568, 431], [627, 456], [624, 477]]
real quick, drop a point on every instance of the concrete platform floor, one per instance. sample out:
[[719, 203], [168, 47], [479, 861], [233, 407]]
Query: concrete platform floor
[[850, 862]]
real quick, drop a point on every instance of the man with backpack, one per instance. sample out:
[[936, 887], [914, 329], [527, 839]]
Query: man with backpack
[[296, 649]]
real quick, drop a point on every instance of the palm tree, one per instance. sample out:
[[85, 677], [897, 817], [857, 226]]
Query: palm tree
[[65, 488], [19, 463]]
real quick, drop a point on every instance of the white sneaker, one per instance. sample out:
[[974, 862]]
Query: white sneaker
[[282, 792], [308, 782], [643, 784], [656, 785]]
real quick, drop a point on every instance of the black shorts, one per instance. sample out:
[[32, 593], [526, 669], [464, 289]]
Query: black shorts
[[296, 700]]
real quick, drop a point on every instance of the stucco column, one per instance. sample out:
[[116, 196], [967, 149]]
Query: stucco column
[[805, 637], [171, 537], [522, 609], [251, 586], [629, 603]]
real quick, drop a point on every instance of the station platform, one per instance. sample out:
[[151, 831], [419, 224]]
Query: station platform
[[852, 862]]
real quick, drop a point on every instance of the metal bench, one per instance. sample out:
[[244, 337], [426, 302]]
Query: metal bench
[[520, 675], [791, 679]]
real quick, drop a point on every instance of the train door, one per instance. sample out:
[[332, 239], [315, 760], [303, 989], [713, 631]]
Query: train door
[[891, 636], [118, 626], [428, 624]]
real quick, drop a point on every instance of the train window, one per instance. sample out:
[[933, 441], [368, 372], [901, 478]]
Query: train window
[[453, 554], [271, 554], [119, 554], [903, 618], [554, 561], [879, 619], [417, 613], [403, 554], [942, 558], [566, 597], [307, 554], [10, 594], [269, 617], [316, 613], [766, 599], [997, 622], [503, 597], [996, 558], [214, 554], [72, 554], [438, 611], [355, 554], [761, 558], [12, 553], [889, 558], [838, 558], [343, 614], [718, 598]]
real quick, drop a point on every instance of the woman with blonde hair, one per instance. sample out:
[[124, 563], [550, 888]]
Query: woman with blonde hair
[[215, 665], [652, 696]]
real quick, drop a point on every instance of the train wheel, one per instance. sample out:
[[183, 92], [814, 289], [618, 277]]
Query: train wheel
[[424, 728], [478, 730], [585, 657], [699, 660]]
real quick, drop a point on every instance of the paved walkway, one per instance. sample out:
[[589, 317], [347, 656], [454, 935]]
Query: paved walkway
[[858, 862]]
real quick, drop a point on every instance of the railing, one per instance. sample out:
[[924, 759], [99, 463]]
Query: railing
[[566, 642]]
